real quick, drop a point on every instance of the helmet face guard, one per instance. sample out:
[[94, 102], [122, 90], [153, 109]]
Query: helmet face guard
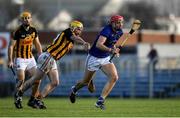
[[116, 22]]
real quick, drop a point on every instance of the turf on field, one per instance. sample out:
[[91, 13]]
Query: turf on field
[[116, 107]]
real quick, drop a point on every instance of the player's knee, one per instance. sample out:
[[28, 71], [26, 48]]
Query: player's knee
[[114, 78], [37, 82], [55, 83]]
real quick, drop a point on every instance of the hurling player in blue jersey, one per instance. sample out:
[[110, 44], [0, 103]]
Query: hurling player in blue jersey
[[98, 58]]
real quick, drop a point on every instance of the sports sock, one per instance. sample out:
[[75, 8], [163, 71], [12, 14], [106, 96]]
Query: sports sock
[[78, 86], [101, 99], [31, 98], [20, 93]]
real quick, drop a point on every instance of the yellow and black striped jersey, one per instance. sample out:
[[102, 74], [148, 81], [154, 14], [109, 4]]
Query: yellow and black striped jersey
[[24, 41], [61, 44]]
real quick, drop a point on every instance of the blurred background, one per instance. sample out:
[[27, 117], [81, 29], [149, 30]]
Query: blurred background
[[141, 74]]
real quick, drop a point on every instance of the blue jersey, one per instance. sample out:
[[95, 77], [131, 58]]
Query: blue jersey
[[112, 37]]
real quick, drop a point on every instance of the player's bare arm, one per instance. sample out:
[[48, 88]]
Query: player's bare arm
[[10, 52], [78, 39], [100, 45], [38, 45]]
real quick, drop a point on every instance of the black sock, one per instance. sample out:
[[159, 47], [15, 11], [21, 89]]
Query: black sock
[[31, 98], [74, 89], [20, 93], [78, 86]]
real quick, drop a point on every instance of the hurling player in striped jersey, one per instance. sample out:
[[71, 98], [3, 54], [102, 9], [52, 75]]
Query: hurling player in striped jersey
[[61, 45]]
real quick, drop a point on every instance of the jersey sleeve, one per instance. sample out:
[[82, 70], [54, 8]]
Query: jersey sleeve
[[68, 34], [105, 32], [16, 35]]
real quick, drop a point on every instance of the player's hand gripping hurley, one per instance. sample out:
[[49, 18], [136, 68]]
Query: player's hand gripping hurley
[[135, 26]]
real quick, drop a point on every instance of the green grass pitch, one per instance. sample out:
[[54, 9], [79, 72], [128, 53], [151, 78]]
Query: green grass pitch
[[84, 107]]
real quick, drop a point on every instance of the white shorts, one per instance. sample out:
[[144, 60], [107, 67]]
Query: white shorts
[[94, 63], [24, 64], [46, 62]]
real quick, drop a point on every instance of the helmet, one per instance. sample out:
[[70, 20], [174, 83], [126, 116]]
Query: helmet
[[25, 14], [116, 18], [116, 21], [75, 24]]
